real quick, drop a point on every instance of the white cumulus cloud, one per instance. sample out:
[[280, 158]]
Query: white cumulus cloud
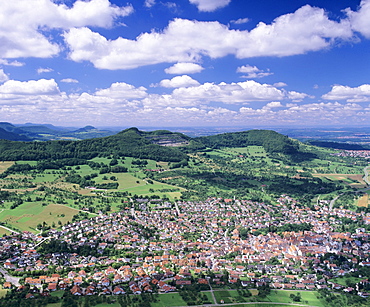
[[279, 84], [44, 70], [11, 63], [123, 90], [360, 20], [179, 81], [233, 93], [350, 94], [3, 76], [273, 104], [32, 87], [21, 23], [307, 29], [184, 68], [209, 5], [252, 72], [297, 97]]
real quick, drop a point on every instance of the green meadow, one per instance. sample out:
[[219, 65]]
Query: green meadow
[[27, 216], [308, 298]]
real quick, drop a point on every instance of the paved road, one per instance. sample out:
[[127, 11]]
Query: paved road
[[11, 230], [9, 278], [212, 292], [366, 177], [333, 201], [177, 208]]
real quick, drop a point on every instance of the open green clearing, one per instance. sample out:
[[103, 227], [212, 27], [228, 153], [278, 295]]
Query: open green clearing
[[3, 292], [4, 232], [283, 296], [27, 216], [169, 299], [346, 281], [277, 296]]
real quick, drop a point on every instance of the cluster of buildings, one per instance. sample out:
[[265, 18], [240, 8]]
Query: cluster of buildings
[[353, 153], [220, 241]]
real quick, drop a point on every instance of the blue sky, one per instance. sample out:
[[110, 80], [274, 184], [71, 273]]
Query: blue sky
[[185, 63]]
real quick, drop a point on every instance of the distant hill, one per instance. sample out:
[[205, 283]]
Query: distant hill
[[130, 142], [85, 129], [52, 127], [11, 136], [337, 145], [45, 132], [41, 129], [11, 128]]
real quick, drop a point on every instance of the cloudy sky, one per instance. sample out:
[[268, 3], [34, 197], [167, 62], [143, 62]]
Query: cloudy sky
[[185, 63]]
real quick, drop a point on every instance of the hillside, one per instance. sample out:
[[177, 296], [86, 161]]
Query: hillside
[[7, 135]]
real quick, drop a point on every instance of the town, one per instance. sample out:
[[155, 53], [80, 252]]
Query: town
[[160, 247]]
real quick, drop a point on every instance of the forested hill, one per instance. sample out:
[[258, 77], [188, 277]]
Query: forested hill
[[160, 145], [7, 135], [130, 142], [270, 140]]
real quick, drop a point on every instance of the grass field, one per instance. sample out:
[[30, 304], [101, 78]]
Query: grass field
[[28, 215], [282, 296], [4, 232], [169, 299], [229, 296], [277, 296], [134, 181], [3, 292], [345, 280]]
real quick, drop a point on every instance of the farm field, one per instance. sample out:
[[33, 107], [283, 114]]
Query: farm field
[[352, 180], [27, 216], [3, 231], [363, 201], [4, 165]]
